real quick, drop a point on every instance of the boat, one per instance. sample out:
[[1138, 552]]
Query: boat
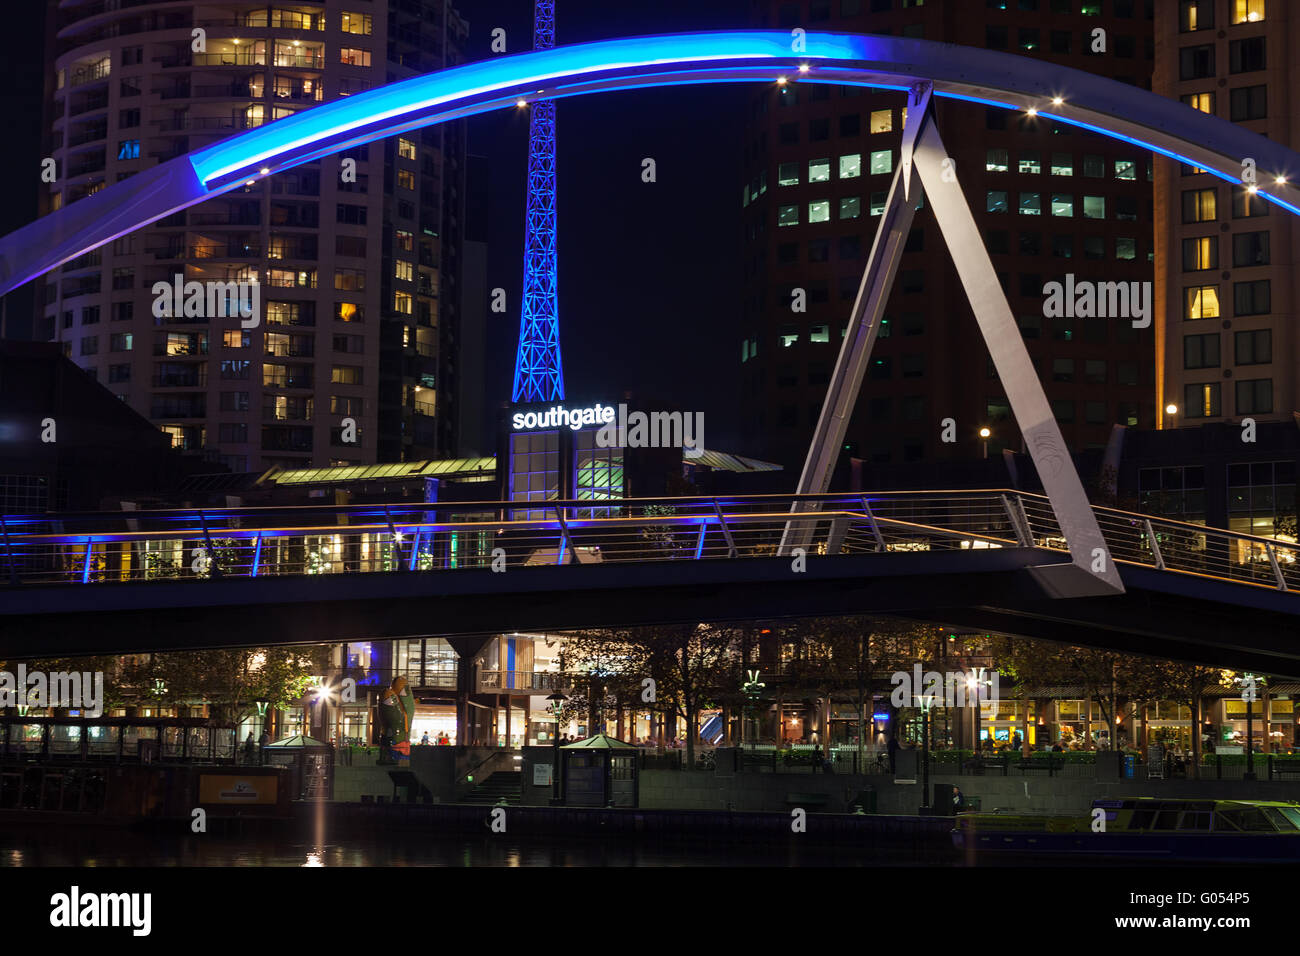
[[1139, 828]]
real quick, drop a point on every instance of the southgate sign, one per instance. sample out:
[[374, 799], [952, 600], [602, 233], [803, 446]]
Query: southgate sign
[[558, 416]]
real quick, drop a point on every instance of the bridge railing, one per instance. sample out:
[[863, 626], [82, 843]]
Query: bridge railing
[[256, 542], [101, 548], [1169, 545]]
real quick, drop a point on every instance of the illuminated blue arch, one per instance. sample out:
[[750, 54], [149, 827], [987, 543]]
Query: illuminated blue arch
[[996, 79]]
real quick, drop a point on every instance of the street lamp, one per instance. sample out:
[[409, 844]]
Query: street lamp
[[753, 691], [1249, 694], [556, 701], [985, 434]]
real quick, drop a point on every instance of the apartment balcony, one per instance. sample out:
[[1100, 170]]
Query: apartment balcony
[[220, 91]]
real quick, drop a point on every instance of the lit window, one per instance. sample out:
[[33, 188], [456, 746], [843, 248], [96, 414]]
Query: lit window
[[878, 201], [882, 121], [819, 333], [819, 211], [996, 200], [1094, 207], [128, 149], [1201, 401], [1201, 302], [1247, 11], [403, 303], [406, 179], [1125, 248], [1031, 204], [789, 337], [405, 149], [851, 166], [787, 215], [345, 375], [995, 161], [1200, 101], [882, 161], [788, 174], [403, 270], [1062, 164], [350, 56], [1062, 204], [1200, 254], [235, 339], [1030, 164], [819, 170], [1200, 205], [359, 23], [350, 280], [851, 207], [348, 312], [1126, 169]]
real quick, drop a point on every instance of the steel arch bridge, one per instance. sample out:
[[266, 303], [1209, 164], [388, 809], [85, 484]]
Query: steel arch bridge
[[995, 79], [924, 70]]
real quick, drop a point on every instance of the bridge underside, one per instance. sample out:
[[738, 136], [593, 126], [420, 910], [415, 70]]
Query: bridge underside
[[1012, 590]]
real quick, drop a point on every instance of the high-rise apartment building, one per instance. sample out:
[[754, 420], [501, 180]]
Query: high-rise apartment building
[[1050, 199], [357, 263], [1226, 277]]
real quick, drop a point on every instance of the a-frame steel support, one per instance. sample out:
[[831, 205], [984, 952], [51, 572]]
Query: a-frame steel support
[[925, 163]]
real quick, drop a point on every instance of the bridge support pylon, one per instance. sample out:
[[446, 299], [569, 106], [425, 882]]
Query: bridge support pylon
[[925, 163]]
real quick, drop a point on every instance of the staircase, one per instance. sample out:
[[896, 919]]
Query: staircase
[[504, 786]]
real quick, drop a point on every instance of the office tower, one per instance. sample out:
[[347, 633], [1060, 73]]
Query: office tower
[[1050, 199], [353, 357]]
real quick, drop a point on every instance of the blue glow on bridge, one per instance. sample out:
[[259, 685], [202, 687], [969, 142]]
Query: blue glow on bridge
[[241, 154]]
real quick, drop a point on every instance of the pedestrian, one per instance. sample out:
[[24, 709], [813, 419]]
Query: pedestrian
[[424, 741], [958, 800], [249, 747]]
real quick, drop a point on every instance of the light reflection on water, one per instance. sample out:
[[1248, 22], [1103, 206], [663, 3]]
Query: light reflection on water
[[105, 848]]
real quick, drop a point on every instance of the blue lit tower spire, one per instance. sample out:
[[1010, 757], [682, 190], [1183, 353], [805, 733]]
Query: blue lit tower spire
[[539, 376]]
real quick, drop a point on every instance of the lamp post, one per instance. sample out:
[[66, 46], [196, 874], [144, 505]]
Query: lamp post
[[262, 704], [556, 701], [925, 751], [985, 434], [753, 691], [1249, 694]]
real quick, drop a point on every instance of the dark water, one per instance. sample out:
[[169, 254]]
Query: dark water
[[110, 848]]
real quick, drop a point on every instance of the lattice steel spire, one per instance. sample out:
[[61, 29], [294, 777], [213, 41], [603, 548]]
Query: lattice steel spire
[[539, 374]]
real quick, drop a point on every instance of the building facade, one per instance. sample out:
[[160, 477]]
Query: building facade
[[1225, 271], [1050, 199], [352, 355]]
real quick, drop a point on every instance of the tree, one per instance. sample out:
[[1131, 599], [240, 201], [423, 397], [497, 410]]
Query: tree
[[230, 681], [1183, 683]]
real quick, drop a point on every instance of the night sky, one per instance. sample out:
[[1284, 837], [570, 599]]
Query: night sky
[[649, 272]]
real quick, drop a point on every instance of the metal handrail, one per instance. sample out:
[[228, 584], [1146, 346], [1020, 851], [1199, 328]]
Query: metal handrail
[[99, 547]]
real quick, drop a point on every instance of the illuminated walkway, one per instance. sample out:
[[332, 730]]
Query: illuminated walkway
[[996, 559]]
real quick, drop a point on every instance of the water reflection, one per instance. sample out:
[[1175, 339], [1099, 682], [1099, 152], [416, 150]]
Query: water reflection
[[104, 848]]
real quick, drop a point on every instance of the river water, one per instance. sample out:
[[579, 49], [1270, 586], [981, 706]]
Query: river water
[[86, 847]]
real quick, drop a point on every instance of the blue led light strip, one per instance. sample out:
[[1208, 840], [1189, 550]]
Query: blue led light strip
[[539, 371]]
